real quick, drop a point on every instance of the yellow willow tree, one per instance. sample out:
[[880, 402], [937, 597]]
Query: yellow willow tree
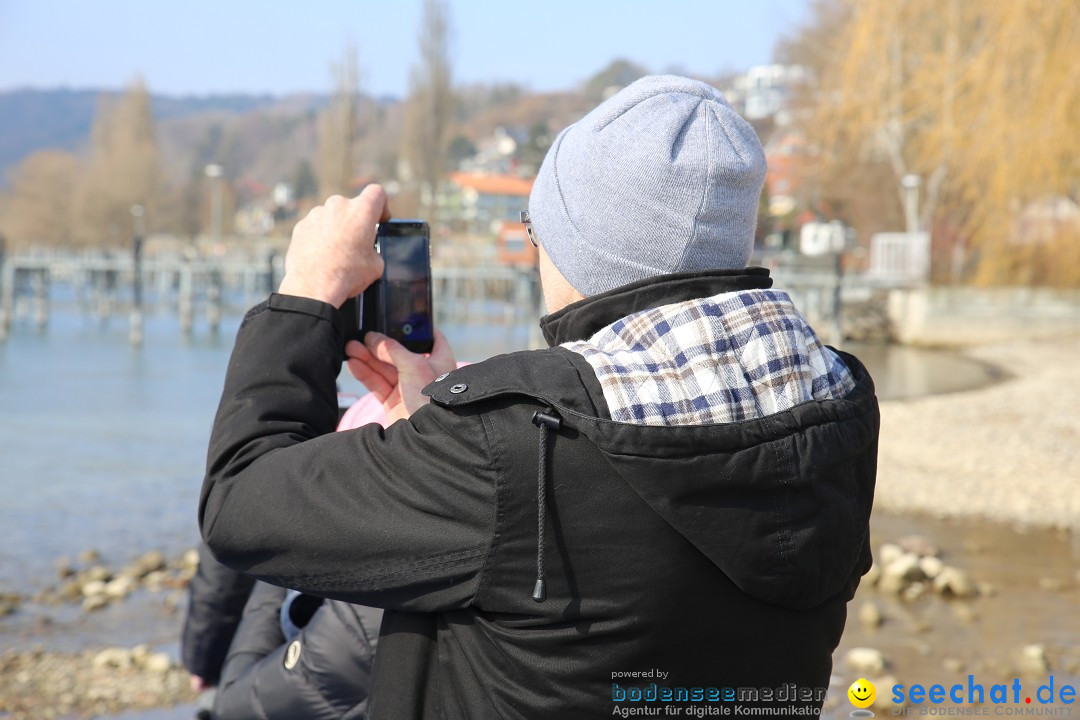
[[982, 100]]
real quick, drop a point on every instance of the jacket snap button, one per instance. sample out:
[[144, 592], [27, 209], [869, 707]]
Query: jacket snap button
[[442, 377], [459, 388], [292, 655]]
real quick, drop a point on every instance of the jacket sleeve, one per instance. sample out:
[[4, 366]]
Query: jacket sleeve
[[399, 518], [216, 598]]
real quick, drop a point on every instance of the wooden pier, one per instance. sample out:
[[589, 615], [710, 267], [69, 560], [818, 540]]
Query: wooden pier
[[108, 284]]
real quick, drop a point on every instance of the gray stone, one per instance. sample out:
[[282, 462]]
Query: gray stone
[[953, 582], [865, 661], [1032, 660], [870, 615]]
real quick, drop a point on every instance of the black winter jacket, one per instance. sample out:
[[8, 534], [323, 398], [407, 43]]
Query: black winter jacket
[[703, 564], [324, 673], [216, 598]]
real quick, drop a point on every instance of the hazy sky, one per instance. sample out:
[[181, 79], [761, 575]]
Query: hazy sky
[[215, 46]]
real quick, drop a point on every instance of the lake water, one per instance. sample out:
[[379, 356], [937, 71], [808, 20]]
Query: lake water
[[102, 445]]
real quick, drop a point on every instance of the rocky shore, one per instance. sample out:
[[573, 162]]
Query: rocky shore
[[1007, 453], [39, 685]]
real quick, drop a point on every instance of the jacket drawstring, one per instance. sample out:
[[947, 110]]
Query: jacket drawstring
[[545, 421]]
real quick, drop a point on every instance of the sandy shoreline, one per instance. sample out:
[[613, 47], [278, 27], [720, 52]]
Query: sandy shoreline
[[1008, 453]]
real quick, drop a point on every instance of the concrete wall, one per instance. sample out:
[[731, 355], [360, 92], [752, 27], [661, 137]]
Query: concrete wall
[[951, 316]]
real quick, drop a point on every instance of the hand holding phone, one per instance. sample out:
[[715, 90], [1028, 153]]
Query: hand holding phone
[[332, 256]]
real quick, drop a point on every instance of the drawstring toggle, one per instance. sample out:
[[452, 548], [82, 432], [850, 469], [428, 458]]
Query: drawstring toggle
[[547, 422]]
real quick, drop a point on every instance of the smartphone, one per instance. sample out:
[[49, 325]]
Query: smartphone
[[399, 303]]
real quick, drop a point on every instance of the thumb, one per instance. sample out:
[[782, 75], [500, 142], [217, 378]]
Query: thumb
[[390, 351]]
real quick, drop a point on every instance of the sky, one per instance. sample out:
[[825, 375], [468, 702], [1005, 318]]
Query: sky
[[200, 47]]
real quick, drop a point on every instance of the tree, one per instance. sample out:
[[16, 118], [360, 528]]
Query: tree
[[430, 105], [124, 169], [617, 74], [304, 183], [39, 210], [337, 130], [531, 152], [979, 99]]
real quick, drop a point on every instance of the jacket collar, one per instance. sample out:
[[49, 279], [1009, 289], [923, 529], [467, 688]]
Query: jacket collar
[[585, 318]]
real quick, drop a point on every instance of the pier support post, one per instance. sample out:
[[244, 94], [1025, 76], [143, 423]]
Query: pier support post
[[41, 298], [186, 303], [213, 299], [135, 334]]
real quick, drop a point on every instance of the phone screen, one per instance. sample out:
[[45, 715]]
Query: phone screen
[[407, 284]]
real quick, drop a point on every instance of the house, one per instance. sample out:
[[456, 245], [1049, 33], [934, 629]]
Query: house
[[512, 247], [785, 154], [766, 90], [483, 202]]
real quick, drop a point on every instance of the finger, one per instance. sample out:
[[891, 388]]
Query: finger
[[389, 350], [371, 206], [442, 355], [370, 379], [356, 349]]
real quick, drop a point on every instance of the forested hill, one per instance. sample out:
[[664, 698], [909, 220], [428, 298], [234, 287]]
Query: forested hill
[[33, 120]]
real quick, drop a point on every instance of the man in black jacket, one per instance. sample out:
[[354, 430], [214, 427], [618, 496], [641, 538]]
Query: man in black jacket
[[667, 507]]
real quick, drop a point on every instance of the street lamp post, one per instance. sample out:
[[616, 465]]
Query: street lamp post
[[215, 173], [911, 183]]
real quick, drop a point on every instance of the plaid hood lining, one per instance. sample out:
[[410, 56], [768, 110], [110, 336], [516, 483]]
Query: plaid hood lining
[[726, 358]]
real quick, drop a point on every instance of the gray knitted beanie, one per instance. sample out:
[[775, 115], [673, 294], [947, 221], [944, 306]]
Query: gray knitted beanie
[[662, 177]]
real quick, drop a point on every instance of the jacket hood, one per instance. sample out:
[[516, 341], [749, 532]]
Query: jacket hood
[[780, 503]]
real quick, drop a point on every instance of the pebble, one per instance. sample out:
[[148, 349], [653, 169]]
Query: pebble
[[870, 615], [94, 602], [865, 661], [115, 657], [914, 591], [119, 587], [953, 582], [97, 572], [148, 562], [89, 556], [1033, 660], [883, 699], [889, 552], [899, 572], [155, 580], [92, 588], [931, 566], [158, 663]]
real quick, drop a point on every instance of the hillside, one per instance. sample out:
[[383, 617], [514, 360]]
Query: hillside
[[32, 120]]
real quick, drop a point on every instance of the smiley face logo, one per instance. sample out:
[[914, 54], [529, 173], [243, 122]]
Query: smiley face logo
[[862, 693]]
